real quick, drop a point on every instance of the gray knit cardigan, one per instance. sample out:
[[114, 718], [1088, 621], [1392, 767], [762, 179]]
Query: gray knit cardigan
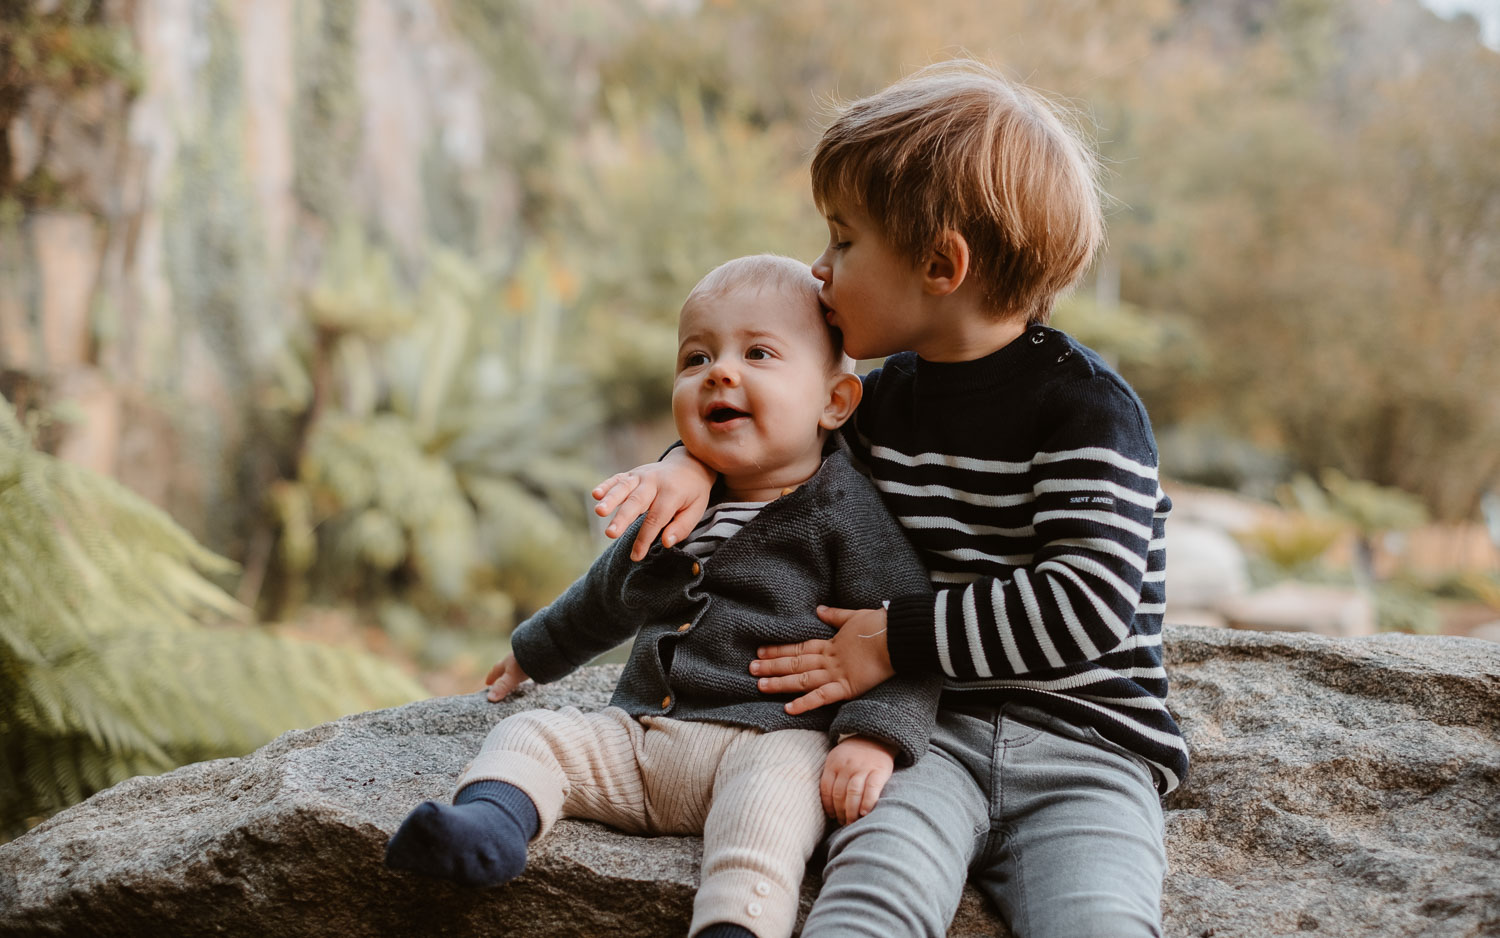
[[697, 626]]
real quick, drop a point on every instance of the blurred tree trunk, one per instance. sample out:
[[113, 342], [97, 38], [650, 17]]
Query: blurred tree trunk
[[163, 211]]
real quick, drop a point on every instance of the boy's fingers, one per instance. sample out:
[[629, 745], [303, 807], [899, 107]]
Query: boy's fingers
[[825, 790], [612, 490], [827, 694], [680, 527], [634, 505], [835, 617], [796, 683], [769, 653], [809, 660]]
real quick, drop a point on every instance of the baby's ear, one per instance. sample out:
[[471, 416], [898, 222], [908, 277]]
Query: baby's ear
[[844, 391]]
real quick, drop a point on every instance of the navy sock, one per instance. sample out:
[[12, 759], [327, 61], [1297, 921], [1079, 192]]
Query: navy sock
[[479, 840], [725, 930]]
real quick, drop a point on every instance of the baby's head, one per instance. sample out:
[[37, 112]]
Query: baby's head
[[761, 376], [958, 147]]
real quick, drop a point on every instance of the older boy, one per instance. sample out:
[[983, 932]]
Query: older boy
[[1025, 472], [687, 744]]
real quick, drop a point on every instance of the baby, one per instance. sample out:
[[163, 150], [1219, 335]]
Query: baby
[[689, 744]]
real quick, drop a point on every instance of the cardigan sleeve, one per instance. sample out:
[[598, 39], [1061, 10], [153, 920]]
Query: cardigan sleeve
[[588, 619], [1095, 513]]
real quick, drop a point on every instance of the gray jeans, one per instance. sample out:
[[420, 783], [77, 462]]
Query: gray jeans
[[1061, 829]]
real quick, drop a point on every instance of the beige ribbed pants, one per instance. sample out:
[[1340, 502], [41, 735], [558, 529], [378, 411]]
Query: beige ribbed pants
[[752, 795]]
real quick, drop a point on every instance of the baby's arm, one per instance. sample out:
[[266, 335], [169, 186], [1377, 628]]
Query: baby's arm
[[586, 620], [672, 493]]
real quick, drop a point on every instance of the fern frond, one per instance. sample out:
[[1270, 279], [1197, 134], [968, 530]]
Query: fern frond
[[110, 664]]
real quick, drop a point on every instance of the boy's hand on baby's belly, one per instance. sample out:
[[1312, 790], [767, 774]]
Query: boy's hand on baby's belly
[[854, 774], [855, 660]]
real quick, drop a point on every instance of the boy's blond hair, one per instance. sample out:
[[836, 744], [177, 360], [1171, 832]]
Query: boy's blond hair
[[767, 272], [958, 146]]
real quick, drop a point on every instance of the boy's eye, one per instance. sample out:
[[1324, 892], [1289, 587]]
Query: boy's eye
[[694, 359], [758, 353]]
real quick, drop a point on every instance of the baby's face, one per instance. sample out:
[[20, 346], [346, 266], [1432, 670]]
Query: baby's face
[[753, 382]]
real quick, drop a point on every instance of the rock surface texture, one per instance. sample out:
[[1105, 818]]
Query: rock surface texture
[[1339, 787]]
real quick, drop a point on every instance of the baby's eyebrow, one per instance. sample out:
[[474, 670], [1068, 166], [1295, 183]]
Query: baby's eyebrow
[[759, 334]]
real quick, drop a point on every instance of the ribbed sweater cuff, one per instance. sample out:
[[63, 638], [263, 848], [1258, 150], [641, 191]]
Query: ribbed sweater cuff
[[909, 637], [538, 654]]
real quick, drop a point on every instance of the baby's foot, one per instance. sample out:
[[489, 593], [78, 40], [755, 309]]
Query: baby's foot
[[478, 841]]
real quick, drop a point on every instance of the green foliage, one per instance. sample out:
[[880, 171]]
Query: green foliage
[[1295, 545], [681, 190], [65, 51], [1402, 609], [1132, 337], [1369, 508], [118, 656], [1470, 586], [442, 468]]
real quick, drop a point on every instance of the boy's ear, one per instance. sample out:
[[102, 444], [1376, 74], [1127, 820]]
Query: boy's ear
[[948, 264], [844, 392]]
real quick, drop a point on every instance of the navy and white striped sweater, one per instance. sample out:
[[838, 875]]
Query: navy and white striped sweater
[[1027, 480]]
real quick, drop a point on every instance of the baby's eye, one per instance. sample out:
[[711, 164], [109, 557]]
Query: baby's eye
[[694, 359], [757, 353]]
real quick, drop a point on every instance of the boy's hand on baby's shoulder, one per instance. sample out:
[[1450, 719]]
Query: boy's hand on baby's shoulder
[[854, 775], [504, 677], [672, 494]]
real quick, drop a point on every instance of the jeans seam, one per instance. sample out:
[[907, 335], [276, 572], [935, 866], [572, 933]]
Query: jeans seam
[[1022, 915]]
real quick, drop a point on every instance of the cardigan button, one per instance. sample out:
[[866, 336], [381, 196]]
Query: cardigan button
[[1038, 338], [697, 568], [684, 626], [666, 701]]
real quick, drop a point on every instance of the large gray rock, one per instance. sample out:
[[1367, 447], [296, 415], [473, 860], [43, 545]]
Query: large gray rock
[[1340, 787]]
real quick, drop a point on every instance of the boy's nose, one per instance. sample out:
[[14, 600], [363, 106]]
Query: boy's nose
[[821, 268]]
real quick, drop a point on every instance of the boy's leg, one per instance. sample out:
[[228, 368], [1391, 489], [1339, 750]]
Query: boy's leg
[[764, 822], [900, 869], [1078, 850]]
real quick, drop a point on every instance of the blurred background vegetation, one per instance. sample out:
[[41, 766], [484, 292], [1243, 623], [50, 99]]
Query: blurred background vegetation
[[318, 318]]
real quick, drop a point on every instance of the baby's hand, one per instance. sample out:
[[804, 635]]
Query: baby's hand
[[854, 774], [504, 677], [672, 494]]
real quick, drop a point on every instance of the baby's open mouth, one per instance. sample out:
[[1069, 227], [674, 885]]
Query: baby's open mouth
[[725, 414]]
